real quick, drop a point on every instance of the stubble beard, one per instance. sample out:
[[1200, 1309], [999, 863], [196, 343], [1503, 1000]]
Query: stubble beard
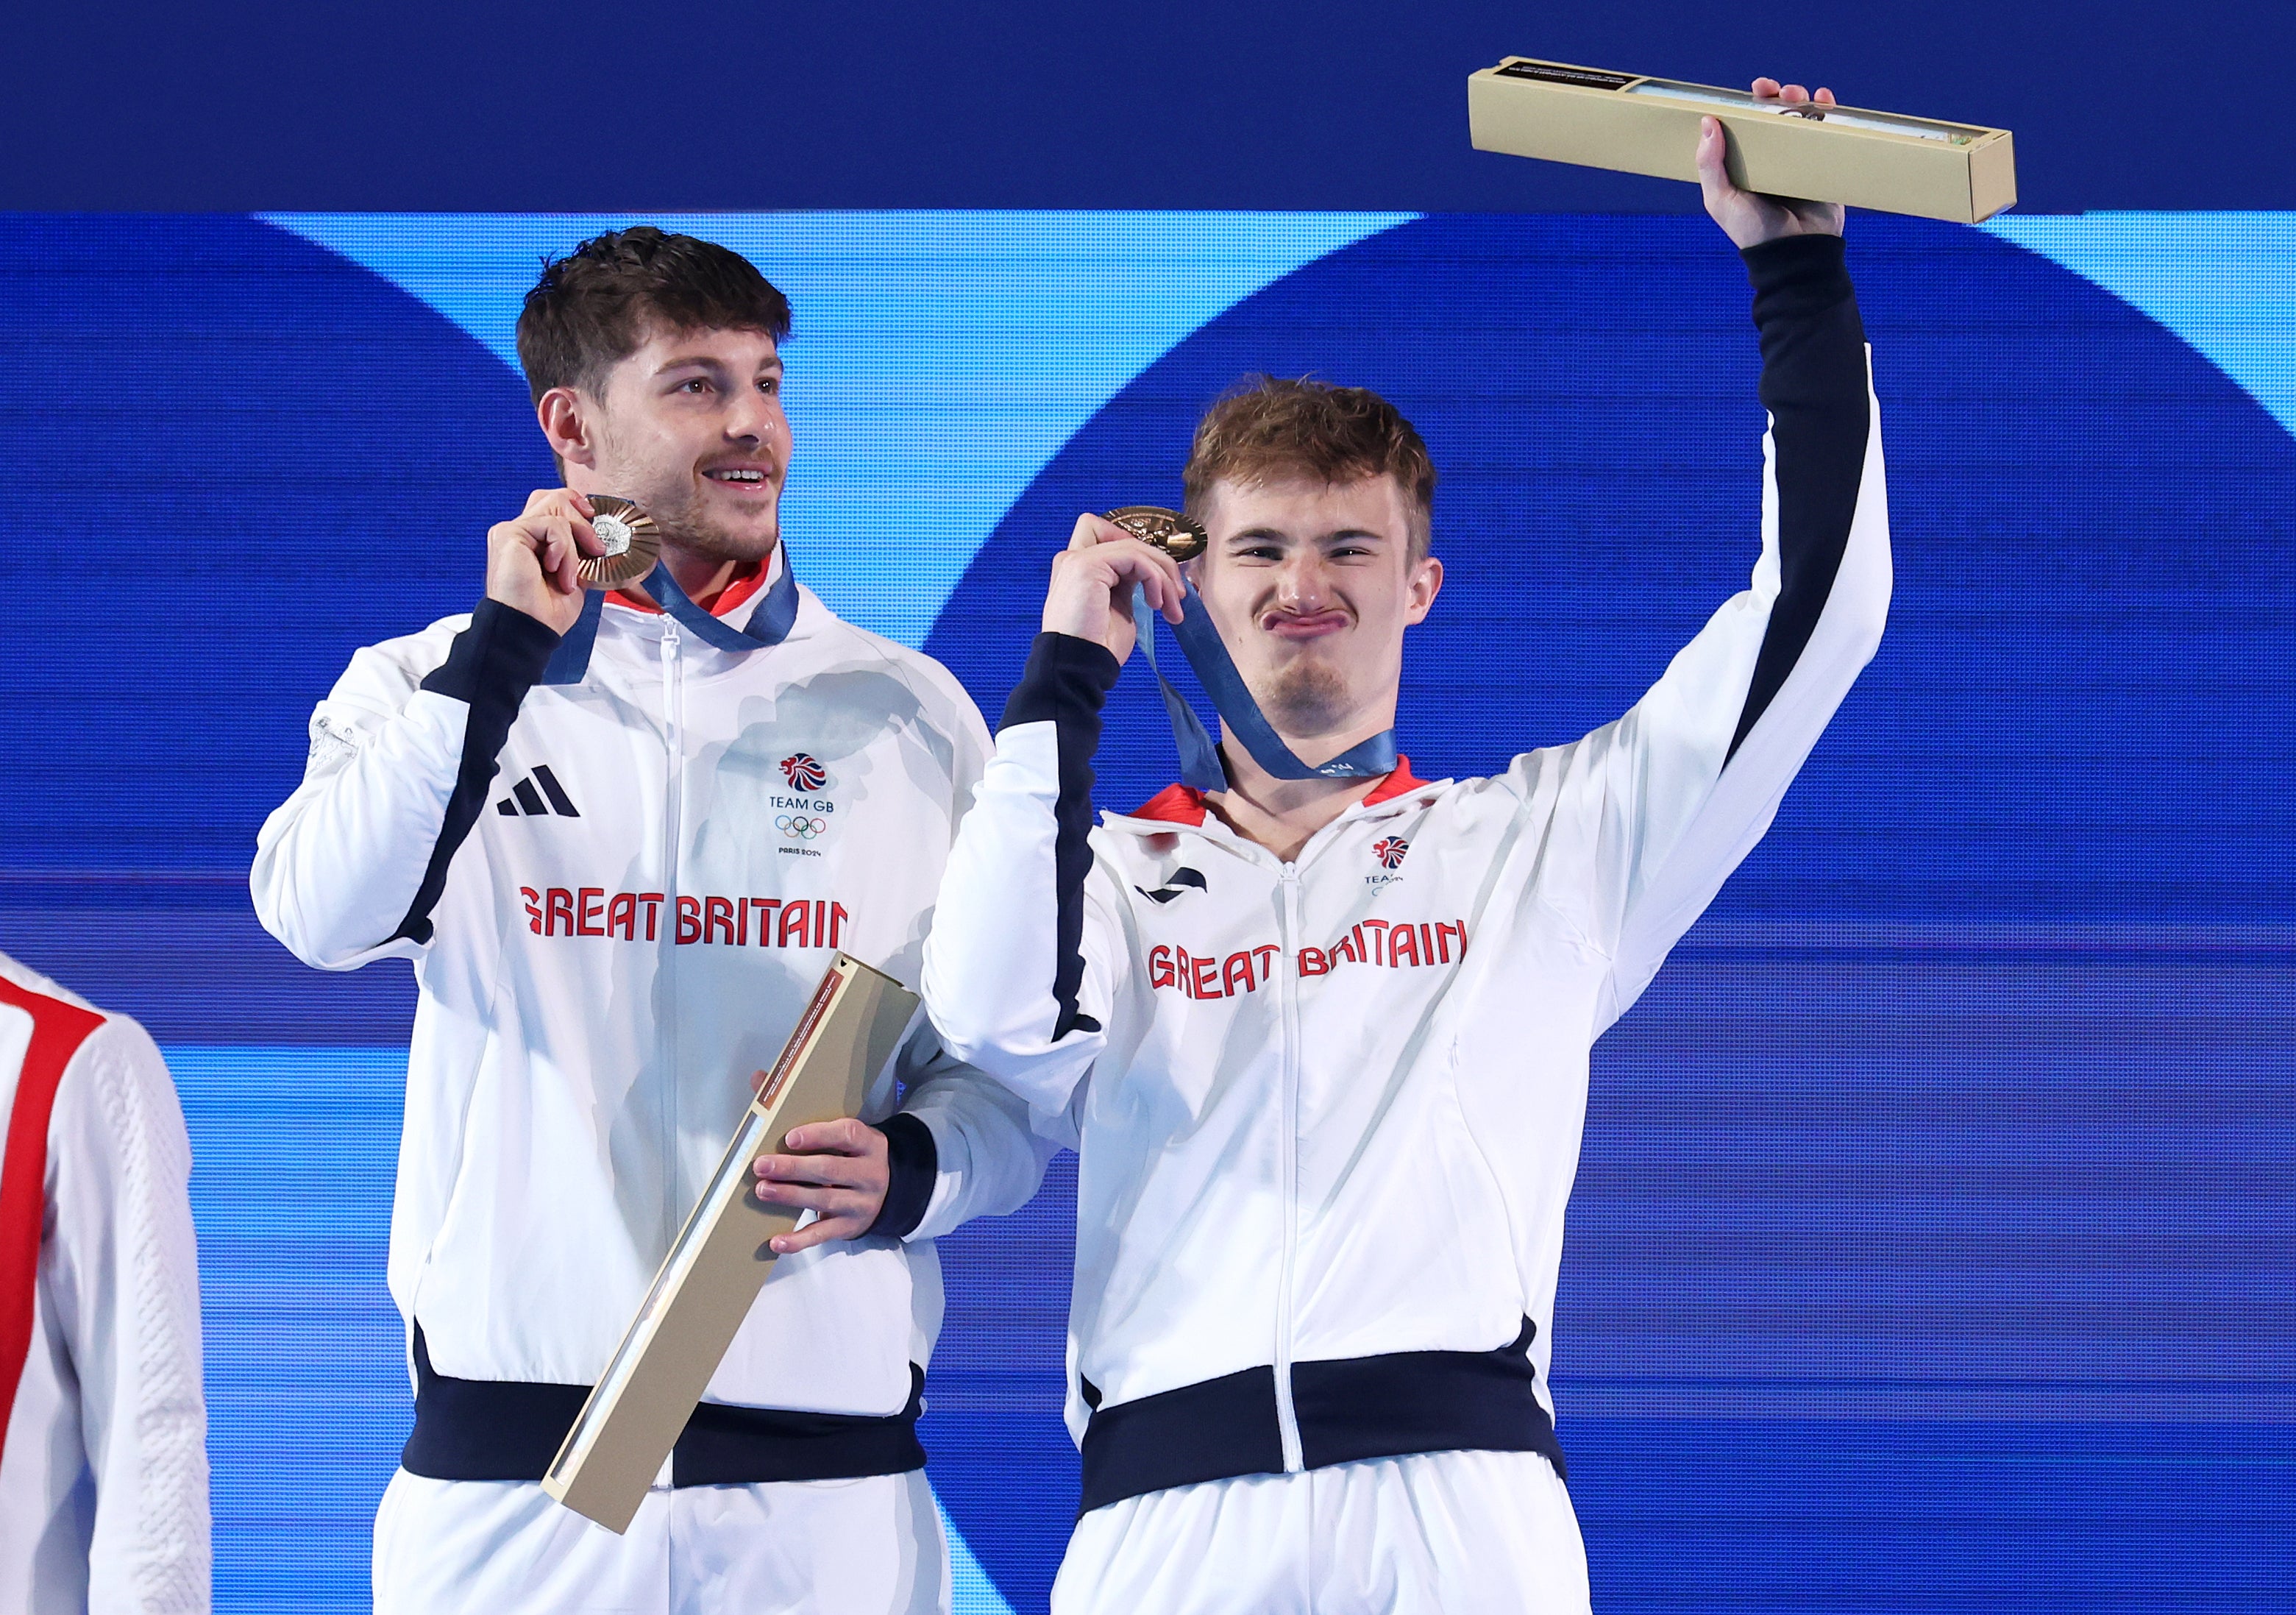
[[674, 503], [1307, 697], [686, 526]]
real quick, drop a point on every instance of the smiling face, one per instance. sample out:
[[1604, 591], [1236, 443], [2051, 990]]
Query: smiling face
[[691, 426], [1311, 585]]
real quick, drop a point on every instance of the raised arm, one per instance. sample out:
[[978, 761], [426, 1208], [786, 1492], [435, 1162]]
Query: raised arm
[[1016, 966], [402, 749], [1692, 776], [348, 868], [1019, 968]]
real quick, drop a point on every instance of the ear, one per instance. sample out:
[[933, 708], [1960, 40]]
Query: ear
[[1420, 589], [566, 418]]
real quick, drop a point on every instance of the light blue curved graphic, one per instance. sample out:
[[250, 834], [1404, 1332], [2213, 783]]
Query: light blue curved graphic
[[970, 1591], [2226, 283], [939, 359]]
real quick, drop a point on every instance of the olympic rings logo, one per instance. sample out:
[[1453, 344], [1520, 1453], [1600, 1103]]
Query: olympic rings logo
[[803, 828]]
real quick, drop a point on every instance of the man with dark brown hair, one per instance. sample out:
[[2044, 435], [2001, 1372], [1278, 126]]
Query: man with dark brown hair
[[1319, 1028], [706, 782]]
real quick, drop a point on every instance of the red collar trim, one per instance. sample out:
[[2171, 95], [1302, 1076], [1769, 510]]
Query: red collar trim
[[1174, 805], [724, 602], [1399, 781], [1180, 805]]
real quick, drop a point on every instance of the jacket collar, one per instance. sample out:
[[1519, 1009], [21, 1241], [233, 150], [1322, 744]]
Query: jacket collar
[[726, 605], [1178, 804]]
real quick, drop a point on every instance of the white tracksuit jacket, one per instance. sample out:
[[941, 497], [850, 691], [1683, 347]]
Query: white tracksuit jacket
[[1329, 1111], [103, 1474], [612, 931]]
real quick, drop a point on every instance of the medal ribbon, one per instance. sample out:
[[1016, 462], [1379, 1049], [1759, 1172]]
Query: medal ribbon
[[1199, 762], [770, 621]]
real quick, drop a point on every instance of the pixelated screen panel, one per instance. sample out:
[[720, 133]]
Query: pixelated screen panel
[[1929, 1247]]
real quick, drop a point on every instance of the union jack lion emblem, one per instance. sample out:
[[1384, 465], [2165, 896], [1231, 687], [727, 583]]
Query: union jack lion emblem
[[803, 773], [1389, 852]]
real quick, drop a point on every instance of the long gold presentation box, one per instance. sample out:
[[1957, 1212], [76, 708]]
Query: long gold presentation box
[[712, 1274], [1639, 125]]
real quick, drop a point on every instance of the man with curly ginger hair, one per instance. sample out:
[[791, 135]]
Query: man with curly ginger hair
[[1319, 1028]]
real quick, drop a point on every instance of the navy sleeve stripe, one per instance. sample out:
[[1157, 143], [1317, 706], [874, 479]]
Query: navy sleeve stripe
[[1065, 684], [1813, 384], [914, 1161], [491, 666]]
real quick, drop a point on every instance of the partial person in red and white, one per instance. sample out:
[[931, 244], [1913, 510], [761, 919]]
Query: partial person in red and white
[[103, 1475]]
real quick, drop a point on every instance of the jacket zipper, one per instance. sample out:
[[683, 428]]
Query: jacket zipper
[[673, 703], [1287, 1418]]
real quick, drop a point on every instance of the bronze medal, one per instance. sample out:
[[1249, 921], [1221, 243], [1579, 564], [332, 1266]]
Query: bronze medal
[[1166, 530], [632, 539]]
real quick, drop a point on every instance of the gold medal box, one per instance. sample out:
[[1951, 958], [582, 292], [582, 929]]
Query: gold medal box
[[711, 1276], [1639, 125]]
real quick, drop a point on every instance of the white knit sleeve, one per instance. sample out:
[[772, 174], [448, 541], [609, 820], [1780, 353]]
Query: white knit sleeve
[[125, 1279]]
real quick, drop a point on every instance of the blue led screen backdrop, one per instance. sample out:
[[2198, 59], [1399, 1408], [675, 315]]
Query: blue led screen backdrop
[[1931, 1249]]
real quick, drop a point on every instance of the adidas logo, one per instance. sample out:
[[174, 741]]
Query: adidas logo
[[536, 794]]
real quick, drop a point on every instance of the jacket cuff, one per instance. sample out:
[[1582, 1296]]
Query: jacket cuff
[[501, 654], [915, 1161], [1066, 681], [1797, 275]]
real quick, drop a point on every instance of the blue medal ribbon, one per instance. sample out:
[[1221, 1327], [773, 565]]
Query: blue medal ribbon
[[1200, 761], [770, 621]]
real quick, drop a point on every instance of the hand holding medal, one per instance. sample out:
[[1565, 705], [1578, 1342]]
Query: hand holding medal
[[585, 546], [535, 561], [1107, 561], [566, 551]]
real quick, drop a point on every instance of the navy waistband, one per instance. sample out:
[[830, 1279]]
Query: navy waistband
[[1348, 1408], [510, 1430]]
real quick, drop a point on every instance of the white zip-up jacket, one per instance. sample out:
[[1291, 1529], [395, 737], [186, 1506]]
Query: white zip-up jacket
[[103, 1469], [1329, 1111], [618, 895]]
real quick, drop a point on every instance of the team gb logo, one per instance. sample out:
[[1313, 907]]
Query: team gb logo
[[1389, 852], [803, 773]]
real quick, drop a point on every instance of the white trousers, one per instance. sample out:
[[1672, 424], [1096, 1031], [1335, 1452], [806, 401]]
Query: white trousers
[[1434, 1534], [872, 1546]]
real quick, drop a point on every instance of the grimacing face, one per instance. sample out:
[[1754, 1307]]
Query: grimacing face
[[691, 426], [1311, 585]]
